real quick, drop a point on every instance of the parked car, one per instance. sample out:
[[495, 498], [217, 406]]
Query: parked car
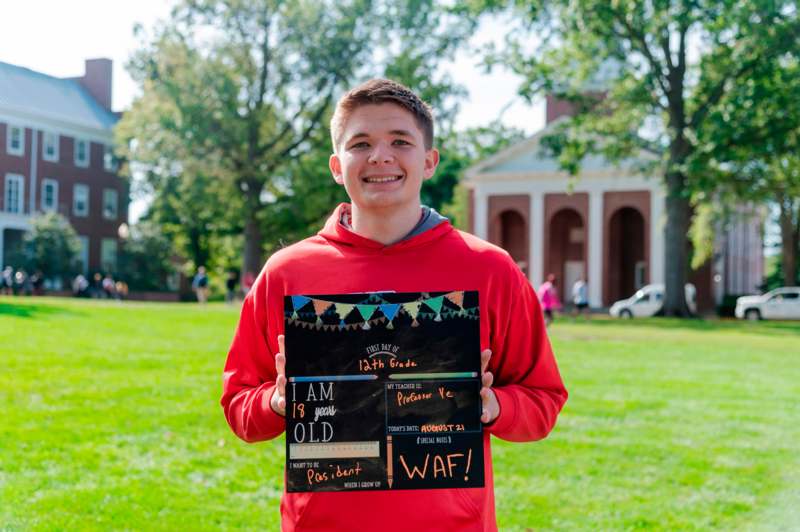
[[648, 301], [779, 304]]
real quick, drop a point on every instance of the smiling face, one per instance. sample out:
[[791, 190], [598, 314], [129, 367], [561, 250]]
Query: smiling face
[[381, 159]]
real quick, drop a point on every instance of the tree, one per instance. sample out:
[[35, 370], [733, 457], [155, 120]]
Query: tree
[[146, 258], [760, 160], [232, 91], [460, 150], [644, 78], [52, 247], [179, 154]]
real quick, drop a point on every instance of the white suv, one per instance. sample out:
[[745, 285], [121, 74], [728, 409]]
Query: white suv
[[648, 300], [779, 304]]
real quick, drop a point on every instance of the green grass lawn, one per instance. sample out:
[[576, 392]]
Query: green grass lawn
[[110, 419]]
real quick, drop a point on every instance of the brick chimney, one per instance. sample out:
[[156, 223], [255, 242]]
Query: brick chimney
[[97, 80], [556, 107]]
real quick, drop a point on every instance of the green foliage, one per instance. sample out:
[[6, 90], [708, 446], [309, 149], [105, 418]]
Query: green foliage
[[146, 258], [52, 247], [422, 35], [774, 275], [458, 151], [702, 233], [301, 207], [229, 136], [759, 161], [642, 98], [232, 91]]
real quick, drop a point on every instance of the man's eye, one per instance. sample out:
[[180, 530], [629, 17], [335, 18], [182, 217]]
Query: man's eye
[[402, 142], [359, 145]]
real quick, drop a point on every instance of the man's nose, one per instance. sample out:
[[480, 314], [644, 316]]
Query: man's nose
[[381, 153]]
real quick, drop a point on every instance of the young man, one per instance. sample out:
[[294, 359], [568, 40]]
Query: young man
[[385, 240]]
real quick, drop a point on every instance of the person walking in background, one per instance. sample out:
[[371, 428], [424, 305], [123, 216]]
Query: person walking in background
[[580, 297], [109, 288], [548, 295], [96, 289], [22, 285], [200, 285], [7, 281], [80, 286], [230, 287], [37, 282], [122, 289]]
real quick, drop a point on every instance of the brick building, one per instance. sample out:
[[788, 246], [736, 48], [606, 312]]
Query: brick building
[[607, 225], [56, 155]]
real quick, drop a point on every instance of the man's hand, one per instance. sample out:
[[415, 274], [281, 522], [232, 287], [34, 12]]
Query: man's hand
[[278, 400], [491, 408]]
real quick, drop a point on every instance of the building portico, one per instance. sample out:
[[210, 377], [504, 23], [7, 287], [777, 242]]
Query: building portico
[[576, 233]]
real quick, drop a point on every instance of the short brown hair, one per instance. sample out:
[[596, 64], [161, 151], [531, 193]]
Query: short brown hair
[[378, 91]]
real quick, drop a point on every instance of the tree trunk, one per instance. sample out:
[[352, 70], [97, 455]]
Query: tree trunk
[[789, 240], [675, 252], [198, 250], [252, 245]]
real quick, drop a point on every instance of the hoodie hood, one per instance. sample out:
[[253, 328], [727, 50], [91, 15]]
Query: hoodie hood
[[335, 232]]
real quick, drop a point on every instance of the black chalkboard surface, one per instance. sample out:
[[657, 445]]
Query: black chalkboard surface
[[383, 391]]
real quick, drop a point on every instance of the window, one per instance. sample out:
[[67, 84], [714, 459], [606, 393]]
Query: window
[[15, 191], [81, 153], [109, 161], [110, 203], [15, 140], [80, 200], [84, 255], [785, 296], [50, 146], [49, 195], [108, 254]]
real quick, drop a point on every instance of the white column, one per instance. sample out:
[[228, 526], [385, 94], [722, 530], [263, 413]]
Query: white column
[[481, 214], [536, 238], [657, 221], [595, 235], [34, 169]]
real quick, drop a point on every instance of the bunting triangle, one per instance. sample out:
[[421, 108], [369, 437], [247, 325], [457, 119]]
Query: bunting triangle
[[412, 309], [457, 298], [390, 310], [343, 309], [299, 302], [321, 306], [435, 303], [367, 311]]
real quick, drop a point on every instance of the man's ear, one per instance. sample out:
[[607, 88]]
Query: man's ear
[[336, 168], [431, 162]]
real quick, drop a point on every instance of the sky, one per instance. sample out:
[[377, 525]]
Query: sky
[[55, 37]]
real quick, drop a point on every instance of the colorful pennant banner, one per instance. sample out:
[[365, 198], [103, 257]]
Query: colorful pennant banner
[[416, 310]]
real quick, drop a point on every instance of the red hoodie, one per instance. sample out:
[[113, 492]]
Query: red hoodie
[[526, 379]]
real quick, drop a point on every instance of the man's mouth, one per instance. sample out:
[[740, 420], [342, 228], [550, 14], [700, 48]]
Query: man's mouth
[[382, 178]]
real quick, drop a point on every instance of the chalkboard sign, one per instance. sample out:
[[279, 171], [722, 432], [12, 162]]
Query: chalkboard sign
[[383, 391]]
